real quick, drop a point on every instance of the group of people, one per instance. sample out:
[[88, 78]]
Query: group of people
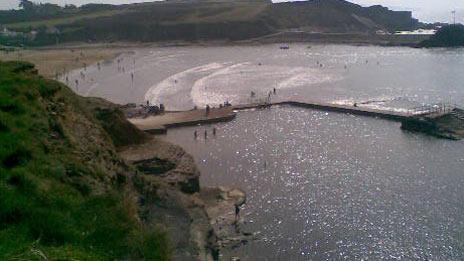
[[225, 104], [318, 63], [269, 94], [195, 133]]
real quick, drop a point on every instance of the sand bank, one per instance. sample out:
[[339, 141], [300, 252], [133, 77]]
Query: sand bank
[[54, 61]]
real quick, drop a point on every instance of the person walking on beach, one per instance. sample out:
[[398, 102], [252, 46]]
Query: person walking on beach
[[214, 131], [237, 212], [206, 134], [195, 134], [275, 91]]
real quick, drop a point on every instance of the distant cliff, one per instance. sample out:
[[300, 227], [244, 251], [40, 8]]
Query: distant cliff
[[338, 16], [212, 20]]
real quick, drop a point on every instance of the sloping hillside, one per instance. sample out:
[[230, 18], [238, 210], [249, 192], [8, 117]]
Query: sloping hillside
[[216, 20], [79, 182], [65, 192]]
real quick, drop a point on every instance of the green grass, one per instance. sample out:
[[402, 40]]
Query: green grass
[[59, 199], [64, 20]]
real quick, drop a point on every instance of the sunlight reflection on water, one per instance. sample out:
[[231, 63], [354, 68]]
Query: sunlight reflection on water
[[333, 186]]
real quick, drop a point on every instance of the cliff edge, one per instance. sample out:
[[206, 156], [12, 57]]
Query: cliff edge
[[78, 181]]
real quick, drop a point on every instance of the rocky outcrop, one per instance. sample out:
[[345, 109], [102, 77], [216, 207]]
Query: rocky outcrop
[[220, 202], [181, 169], [445, 125], [200, 222]]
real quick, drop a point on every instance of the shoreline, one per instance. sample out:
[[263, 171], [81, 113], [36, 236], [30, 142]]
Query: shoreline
[[355, 39], [55, 60]]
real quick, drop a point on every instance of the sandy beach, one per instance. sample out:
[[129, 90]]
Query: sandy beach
[[57, 60]]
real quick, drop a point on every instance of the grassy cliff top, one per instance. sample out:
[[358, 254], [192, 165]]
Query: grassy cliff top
[[65, 193]]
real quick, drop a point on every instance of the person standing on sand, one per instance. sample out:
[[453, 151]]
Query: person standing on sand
[[275, 91], [237, 212], [207, 110], [214, 131], [206, 134], [195, 134]]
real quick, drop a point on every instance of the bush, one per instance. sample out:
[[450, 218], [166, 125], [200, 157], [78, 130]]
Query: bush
[[447, 36]]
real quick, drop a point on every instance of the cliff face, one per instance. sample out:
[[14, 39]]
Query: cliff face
[[391, 20], [66, 193], [339, 16]]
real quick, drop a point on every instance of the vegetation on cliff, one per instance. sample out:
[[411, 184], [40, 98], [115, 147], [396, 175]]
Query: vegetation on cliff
[[65, 192], [447, 36], [197, 20]]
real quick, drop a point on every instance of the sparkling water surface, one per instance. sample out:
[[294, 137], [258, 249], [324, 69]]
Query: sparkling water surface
[[334, 186], [320, 185]]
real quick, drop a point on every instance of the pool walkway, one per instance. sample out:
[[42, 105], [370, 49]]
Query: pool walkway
[[158, 124]]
